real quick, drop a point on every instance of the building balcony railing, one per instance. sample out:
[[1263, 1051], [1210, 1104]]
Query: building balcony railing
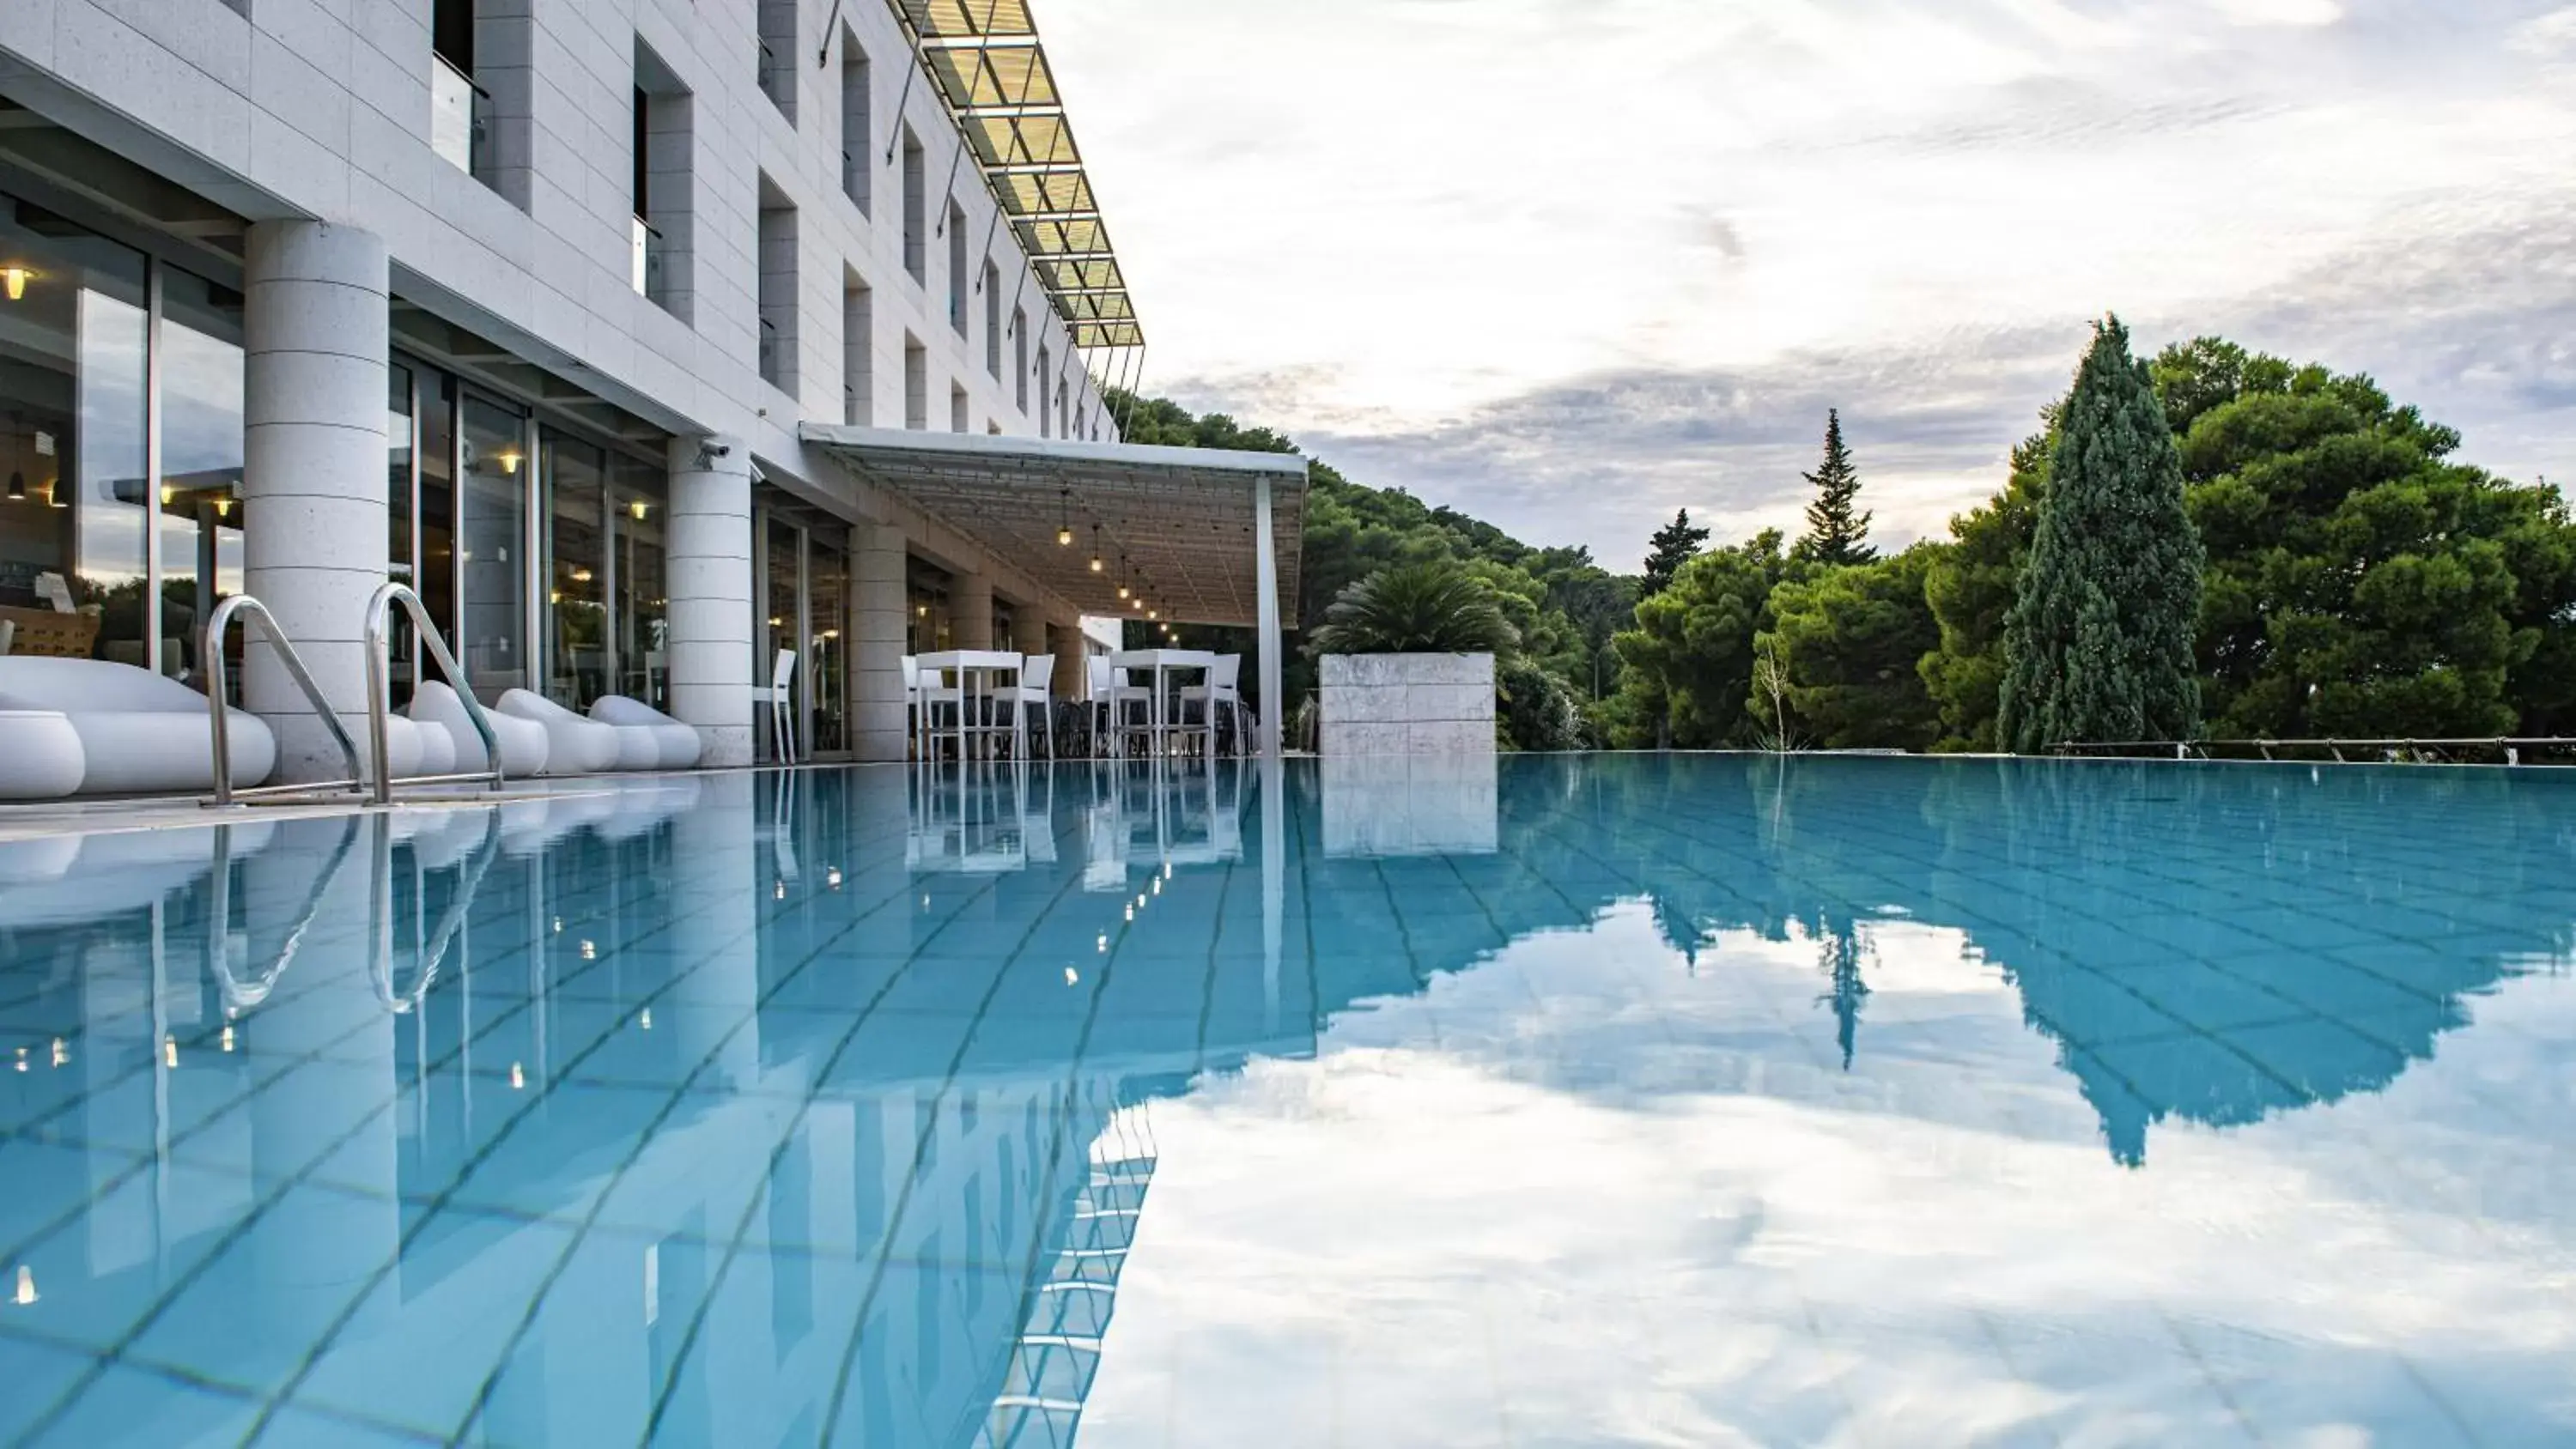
[[460, 119], [646, 262]]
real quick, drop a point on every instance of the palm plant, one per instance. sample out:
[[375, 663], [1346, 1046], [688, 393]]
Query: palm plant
[[1419, 608]]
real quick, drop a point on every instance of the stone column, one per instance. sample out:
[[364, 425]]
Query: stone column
[[315, 334], [970, 611], [881, 631], [1065, 642], [710, 612]]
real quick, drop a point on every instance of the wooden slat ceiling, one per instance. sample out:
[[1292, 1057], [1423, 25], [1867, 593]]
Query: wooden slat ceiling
[[990, 69], [1178, 530]]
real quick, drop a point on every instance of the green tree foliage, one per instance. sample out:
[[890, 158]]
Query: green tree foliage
[[2099, 642], [1837, 527], [1674, 544], [1970, 587], [1848, 640], [1689, 662], [2360, 584], [1417, 608], [1534, 711]]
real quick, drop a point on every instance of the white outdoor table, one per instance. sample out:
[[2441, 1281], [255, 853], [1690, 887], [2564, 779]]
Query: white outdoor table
[[986, 664], [1161, 661]]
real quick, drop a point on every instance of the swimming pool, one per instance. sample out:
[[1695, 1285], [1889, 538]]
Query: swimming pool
[[1554, 1100]]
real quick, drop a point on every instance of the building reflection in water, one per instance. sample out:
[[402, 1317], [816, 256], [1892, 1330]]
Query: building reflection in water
[[751, 1107]]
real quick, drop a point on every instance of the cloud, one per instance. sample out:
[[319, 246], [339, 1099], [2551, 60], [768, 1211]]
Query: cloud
[[1606, 459], [1578, 1196], [1570, 266]]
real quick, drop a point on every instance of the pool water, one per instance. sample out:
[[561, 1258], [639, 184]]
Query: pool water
[[1543, 1101]]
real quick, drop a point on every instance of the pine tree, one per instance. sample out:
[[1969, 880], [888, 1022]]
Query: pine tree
[[1673, 545], [1837, 534], [2098, 646]]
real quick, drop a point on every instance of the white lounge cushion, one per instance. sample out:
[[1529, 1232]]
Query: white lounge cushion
[[405, 747], [139, 733], [574, 746], [437, 749], [40, 755], [524, 742], [676, 745]]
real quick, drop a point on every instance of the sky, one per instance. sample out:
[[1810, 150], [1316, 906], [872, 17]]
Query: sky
[[1570, 265]]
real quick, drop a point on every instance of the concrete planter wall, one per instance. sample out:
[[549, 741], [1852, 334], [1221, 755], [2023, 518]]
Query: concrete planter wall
[[1408, 704]]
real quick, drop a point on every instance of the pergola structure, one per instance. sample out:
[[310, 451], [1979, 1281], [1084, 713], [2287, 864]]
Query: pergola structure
[[1184, 535]]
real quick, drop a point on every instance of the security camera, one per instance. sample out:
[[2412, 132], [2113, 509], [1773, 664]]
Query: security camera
[[708, 453]]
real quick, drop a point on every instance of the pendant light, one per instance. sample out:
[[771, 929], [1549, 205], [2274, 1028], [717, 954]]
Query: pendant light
[[1123, 589], [1097, 562], [1064, 520]]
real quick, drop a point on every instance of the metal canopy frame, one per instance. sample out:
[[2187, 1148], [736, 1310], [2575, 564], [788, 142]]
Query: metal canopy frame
[[1185, 521], [990, 68]]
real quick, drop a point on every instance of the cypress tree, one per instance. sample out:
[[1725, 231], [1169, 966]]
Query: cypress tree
[[1837, 532], [2098, 646], [1674, 544]]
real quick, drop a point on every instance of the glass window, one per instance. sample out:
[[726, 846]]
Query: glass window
[[201, 462], [437, 518], [72, 339], [491, 538], [579, 666], [641, 585], [402, 650], [781, 620], [827, 595]]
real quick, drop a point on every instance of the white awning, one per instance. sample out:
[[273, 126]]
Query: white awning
[[1173, 524]]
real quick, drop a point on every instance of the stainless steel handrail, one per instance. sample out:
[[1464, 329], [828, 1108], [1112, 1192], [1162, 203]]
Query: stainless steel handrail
[[430, 954], [237, 996], [211, 648], [379, 695]]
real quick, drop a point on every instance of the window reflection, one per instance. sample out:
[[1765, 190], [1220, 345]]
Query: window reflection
[[577, 582], [642, 585], [201, 462], [71, 439], [492, 523]]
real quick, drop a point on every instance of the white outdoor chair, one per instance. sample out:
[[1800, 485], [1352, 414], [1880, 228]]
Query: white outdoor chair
[[782, 707], [1110, 692], [1040, 695], [923, 694], [1222, 691]]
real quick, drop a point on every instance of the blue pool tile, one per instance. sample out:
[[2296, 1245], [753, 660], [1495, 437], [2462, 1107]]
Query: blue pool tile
[[556, 1151], [130, 1406], [419, 1352], [36, 1375]]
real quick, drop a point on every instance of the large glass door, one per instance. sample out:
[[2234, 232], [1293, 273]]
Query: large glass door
[[639, 587], [827, 660], [579, 627], [805, 602], [491, 638]]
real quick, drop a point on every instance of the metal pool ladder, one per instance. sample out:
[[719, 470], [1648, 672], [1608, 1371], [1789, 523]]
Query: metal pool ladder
[[217, 625], [376, 783], [379, 705]]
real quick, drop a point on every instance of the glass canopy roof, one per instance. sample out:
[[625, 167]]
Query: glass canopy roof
[[986, 60]]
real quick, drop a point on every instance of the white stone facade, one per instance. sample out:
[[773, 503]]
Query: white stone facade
[[318, 141], [1408, 704]]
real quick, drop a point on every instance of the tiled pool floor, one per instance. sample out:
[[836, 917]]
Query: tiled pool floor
[[1558, 1101]]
